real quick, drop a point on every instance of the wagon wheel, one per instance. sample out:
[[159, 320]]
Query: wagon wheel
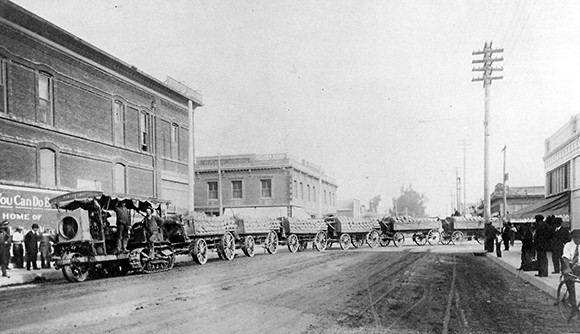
[[228, 246], [345, 241], [199, 251], [271, 242], [433, 237], [373, 239], [384, 240], [320, 241], [357, 242], [445, 238], [457, 237], [302, 246], [398, 239], [420, 238], [75, 272], [248, 246], [293, 243]]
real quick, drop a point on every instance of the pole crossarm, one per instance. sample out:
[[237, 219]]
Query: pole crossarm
[[487, 78]]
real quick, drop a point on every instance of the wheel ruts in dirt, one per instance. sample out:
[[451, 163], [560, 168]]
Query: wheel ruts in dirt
[[199, 251], [293, 243], [249, 245], [320, 241], [271, 242], [76, 271], [398, 239], [373, 239], [345, 241], [227, 246], [433, 237]]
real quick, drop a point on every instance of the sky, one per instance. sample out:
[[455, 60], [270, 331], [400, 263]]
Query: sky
[[377, 93]]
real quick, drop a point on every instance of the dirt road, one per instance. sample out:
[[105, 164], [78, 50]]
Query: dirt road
[[355, 291]]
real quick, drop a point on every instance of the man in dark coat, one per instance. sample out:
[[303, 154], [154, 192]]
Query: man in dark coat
[[542, 243], [560, 237], [31, 245], [528, 252], [152, 225], [490, 235], [506, 235], [4, 248], [123, 226]]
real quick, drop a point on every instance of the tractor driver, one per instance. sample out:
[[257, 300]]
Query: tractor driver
[[151, 224]]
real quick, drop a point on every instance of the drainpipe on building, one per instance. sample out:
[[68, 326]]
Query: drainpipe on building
[[191, 161]]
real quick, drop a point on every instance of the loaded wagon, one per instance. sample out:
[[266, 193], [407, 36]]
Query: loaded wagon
[[349, 231], [196, 234], [296, 233], [457, 228], [421, 230]]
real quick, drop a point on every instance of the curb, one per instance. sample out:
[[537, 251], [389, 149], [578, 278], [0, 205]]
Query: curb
[[18, 277], [528, 278]]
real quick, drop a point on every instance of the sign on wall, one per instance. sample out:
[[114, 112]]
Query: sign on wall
[[26, 206]]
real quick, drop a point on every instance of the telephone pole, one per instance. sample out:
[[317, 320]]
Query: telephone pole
[[464, 145], [487, 78]]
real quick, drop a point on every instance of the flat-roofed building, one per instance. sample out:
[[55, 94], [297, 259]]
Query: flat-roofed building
[[263, 180]]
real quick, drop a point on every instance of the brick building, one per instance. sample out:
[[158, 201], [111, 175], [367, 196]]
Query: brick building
[[275, 181], [517, 198], [73, 117]]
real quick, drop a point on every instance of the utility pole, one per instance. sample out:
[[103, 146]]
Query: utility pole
[[487, 78], [505, 177], [464, 145], [458, 189], [220, 184]]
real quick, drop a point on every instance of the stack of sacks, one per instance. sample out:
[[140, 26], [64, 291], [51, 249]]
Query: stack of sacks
[[305, 225], [352, 225], [201, 224], [257, 224]]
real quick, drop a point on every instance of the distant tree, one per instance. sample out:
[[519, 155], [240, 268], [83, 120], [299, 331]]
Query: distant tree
[[409, 203], [374, 203]]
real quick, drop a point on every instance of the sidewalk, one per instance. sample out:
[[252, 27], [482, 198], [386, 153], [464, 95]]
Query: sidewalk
[[20, 276], [511, 260]]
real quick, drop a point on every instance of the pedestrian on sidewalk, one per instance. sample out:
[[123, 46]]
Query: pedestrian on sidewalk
[[560, 237], [4, 247], [571, 265], [542, 240], [528, 252], [490, 233], [506, 234], [18, 248], [31, 245], [46, 240]]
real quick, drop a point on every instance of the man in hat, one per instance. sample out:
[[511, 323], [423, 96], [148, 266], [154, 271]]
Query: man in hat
[[4, 247], [560, 237], [542, 243], [571, 263], [18, 247], [31, 244]]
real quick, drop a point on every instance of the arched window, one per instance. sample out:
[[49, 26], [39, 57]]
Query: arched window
[[119, 179], [47, 167]]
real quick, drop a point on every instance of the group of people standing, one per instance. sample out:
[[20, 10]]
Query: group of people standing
[[19, 245]]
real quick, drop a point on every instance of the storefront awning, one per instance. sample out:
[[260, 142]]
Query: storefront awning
[[557, 205]]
